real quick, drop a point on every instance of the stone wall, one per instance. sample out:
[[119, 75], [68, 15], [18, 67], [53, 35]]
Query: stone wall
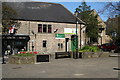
[[94, 55], [21, 60]]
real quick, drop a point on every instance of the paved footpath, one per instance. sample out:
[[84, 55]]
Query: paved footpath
[[64, 68], [0, 67]]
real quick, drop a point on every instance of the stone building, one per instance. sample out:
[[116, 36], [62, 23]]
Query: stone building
[[102, 33], [113, 27], [49, 26], [102, 39]]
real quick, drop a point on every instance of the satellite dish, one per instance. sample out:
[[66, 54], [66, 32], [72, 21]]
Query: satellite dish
[[55, 30]]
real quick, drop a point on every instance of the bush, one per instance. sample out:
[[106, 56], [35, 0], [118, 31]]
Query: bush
[[89, 49]]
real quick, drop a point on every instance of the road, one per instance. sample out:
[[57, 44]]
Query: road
[[64, 68]]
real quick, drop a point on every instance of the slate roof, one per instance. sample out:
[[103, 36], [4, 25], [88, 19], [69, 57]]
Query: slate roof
[[43, 11]]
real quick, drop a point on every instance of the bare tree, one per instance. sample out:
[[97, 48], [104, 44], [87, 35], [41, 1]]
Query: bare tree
[[113, 25], [111, 8], [8, 15]]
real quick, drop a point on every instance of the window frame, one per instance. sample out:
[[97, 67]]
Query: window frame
[[44, 43], [49, 26], [60, 45], [41, 28], [45, 28]]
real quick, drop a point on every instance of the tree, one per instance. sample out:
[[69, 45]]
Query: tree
[[113, 25], [83, 7], [8, 15], [111, 8], [92, 23]]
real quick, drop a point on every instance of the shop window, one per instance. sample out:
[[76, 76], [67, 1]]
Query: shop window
[[44, 28], [44, 43], [60, 45], [49, 29], [18, 43], [40, 28]]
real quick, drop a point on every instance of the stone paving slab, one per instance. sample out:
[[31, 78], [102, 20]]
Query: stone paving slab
[[114, 55]]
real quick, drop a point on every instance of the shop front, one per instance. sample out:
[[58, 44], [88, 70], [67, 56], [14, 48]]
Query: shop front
[[70, 41], [11, 44]]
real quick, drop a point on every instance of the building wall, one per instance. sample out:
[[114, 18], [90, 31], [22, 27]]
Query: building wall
[[52, 43], [103, 34], [108, 39]]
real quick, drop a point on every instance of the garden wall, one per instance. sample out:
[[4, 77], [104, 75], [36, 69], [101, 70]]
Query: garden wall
[[21, 59]]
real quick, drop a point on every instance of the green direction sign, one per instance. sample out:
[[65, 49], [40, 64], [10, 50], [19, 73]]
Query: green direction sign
[[59, 36]]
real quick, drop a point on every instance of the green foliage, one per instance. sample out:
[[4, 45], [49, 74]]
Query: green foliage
[[8, 14], [89, 49], [92, 23], [113, 29], [83, 7]]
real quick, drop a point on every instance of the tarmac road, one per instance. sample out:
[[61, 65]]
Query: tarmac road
[[64, 68]]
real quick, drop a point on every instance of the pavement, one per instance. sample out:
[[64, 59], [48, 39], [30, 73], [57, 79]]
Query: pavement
[[114, 55], [0, 67], [64, 68]]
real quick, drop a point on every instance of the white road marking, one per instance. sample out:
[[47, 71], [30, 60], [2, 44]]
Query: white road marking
[[79, 74]]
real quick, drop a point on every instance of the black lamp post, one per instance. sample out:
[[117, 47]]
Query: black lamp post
[[3, 54], [32, 45], [76, 14], [3, 51], [35, 40]]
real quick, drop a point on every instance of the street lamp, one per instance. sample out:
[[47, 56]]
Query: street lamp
[[34, 37], [3, 50], [32, 45], [76, 14], [3, 55]]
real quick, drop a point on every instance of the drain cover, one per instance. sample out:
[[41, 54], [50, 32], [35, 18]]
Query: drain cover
[[79, 74]]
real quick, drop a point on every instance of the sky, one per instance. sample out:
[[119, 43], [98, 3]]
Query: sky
[[71, 6]]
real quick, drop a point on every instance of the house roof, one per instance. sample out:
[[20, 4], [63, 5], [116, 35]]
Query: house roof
[[43, 11]]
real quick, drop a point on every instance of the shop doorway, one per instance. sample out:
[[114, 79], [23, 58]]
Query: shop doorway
[[66, 44]]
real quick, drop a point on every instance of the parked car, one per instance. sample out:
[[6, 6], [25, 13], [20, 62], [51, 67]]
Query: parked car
[[117, 50], [108, 47]]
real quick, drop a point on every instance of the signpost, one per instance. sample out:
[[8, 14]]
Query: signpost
[[70, 30], [60, 36]]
